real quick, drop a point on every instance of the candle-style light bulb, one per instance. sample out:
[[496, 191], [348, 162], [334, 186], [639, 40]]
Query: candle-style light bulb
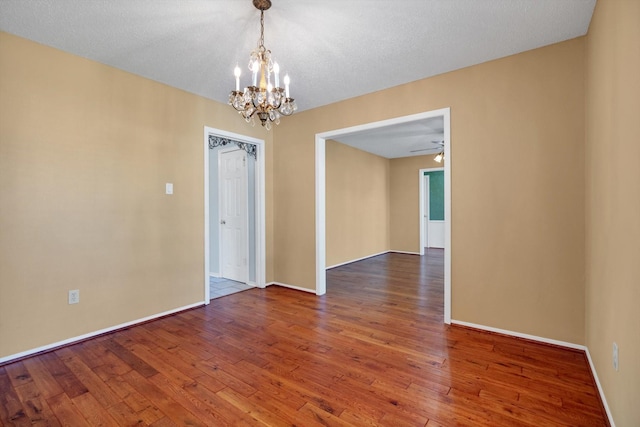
[[276, 72], [287, 80], [237, 72], [255, 69]]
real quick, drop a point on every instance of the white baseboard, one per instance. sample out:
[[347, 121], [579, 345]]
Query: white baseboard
[[215, 275], [356, 260], [371, 256], [405, 252], [96, 333], [548, 341], [297, 288], [520, 335], [604, 399]]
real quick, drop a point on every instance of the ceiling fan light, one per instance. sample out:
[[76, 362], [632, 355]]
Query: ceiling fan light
[[438, 158]]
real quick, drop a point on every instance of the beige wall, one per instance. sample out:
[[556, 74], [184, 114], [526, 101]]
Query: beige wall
[[357, 203], [372, 203], [517, 127], [613, 202], [405, 201], [85, 151]]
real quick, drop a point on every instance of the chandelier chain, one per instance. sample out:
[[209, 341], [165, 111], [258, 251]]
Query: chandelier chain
[[261, 43]]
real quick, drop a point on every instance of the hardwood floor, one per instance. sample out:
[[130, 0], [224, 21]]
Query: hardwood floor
[[373, 351]]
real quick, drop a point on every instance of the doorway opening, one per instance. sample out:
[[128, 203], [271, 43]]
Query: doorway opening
[[320, 191], [246, 229], [432, 222]]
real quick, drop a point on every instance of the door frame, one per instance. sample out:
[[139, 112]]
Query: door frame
[[424, 241], [245, 243], [425, 206], [320, 189], [260, 217]]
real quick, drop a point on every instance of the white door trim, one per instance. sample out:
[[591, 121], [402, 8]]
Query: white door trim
[[424, 210], [321, 276], [260, 220], [424, 241]]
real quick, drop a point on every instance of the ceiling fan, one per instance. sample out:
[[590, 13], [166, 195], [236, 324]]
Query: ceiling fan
[[439, 143]]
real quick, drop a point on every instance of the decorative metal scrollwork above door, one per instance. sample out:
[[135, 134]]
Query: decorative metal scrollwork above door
[[217, 141]]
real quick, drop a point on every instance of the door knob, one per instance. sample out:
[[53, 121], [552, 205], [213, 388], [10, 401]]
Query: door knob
[[223, 222]]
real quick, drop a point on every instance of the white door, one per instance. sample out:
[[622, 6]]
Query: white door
[[233, 215], [426, 211]]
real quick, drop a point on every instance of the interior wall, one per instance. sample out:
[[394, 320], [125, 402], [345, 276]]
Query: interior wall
[[85, 152], [405, 201], [613, 203], [357, 203], [517, 208]]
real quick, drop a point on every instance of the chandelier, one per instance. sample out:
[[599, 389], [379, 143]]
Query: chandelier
[[265, 97]]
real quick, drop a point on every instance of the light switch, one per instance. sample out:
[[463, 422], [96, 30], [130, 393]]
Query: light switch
[[169, 188]]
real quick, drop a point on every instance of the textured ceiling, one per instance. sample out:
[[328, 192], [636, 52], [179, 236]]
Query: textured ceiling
[[332, 49], [416, 138]]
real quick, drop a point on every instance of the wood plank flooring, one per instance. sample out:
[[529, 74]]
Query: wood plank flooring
[[372, 352]]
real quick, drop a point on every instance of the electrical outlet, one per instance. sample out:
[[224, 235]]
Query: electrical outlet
[[615, 356], [74, 296]]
